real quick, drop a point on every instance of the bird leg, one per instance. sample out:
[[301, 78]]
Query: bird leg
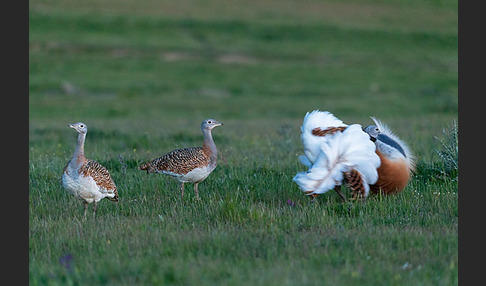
[[182, 190], [313, 196], [95, 206], [338, 190], [196, 190], [85, 203]]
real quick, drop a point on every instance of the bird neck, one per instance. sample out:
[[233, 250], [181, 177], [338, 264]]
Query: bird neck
[[389, 146], [78, 155], [209, 148]]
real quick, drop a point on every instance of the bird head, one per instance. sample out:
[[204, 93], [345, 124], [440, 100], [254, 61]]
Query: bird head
[[210, 124], [373, 131], [79, 127]]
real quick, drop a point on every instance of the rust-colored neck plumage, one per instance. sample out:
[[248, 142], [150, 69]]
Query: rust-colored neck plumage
[[393, 176], [209, 148], [78, 155]]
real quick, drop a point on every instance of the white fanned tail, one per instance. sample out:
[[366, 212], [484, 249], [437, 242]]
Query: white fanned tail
[[338, 154], [312, 144]]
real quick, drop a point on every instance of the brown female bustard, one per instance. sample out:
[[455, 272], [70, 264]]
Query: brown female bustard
[[188, 165], [87, 179]]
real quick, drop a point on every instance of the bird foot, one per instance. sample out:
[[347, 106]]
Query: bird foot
[[338, 191]]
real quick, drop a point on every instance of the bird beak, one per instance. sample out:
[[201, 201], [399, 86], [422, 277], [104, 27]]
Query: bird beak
[[71, 125]]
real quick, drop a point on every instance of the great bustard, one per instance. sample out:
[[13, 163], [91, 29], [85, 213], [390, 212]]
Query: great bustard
[[87, 179], [189, 165], [336, 154]]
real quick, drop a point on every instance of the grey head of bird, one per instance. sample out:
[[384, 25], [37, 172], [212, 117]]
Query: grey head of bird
[[80, 127], [209, 124], [372, 131]]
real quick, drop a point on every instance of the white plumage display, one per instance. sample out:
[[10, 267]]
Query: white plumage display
[[87, 179], [316, 125], [336, 154]]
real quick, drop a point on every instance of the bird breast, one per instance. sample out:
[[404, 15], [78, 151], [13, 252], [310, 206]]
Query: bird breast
[[81, 186], [196, 175], [393, 175]]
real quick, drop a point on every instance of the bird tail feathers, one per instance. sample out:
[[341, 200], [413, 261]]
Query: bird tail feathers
[[320, 120], [342, 153], [145, 167]]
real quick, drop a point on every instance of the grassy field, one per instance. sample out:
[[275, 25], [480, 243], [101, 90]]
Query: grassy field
[[144, 74]]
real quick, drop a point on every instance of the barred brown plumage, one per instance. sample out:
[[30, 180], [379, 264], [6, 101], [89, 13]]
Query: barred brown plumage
[[191, 164], [101, 176], [328, 131], [180, 161], [354, 181], [87, 179]]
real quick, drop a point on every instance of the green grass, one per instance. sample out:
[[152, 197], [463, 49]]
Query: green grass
[[143, 75]]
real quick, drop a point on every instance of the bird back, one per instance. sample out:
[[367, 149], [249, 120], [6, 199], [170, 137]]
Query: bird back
[[178, 162]]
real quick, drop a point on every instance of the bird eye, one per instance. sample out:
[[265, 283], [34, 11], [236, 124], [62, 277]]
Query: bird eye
[[209, 121], [81, 125]]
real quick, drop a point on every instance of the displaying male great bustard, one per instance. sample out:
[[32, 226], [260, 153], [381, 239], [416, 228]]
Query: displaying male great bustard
[[336, 154], [87, 179], [189, 165]]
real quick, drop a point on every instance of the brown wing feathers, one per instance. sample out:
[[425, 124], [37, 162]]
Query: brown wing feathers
[[328, 131], [100, 175], [179, 161], [355, 182]]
